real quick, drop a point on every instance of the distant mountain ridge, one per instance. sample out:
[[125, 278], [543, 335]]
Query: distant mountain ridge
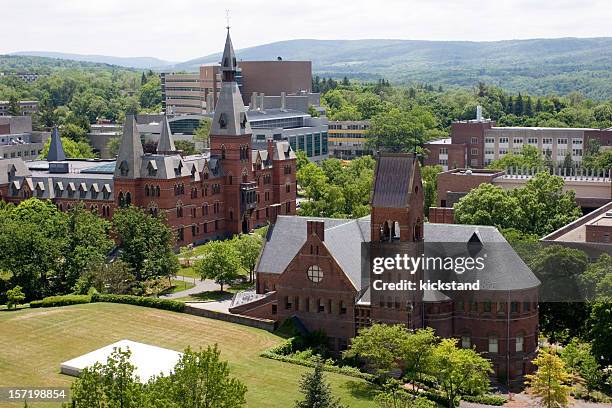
[[536, 66], [128, 62]]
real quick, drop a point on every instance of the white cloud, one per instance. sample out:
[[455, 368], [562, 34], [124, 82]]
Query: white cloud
[[184, 29]]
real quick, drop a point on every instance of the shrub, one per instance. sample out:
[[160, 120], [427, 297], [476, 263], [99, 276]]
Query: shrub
[[66, 300], [165, 304], [497, 400], [350, 371], [437, 397]]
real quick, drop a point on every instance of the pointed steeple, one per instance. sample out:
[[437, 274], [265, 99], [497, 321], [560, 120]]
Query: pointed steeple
[[166, 142], [129, 159], [228, 61], [230, 117], [56, 149]]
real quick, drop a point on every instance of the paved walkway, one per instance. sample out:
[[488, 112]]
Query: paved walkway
[[200, 286], [215, 306]]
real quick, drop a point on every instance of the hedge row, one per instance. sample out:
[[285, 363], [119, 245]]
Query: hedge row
[[487, 399], [165, 304], [66, 300], [350, 371], [437, 397]]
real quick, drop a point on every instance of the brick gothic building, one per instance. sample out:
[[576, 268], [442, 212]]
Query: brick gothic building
[[310, 269], [228, 190]]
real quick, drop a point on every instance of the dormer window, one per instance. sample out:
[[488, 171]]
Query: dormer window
[[243, 120], [223, 121], [152, 168], [124, 168]]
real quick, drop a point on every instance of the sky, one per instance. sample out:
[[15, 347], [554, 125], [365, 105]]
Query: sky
[[179, 30]]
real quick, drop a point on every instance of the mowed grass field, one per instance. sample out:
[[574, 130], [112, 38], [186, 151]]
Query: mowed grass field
[[33, 343]]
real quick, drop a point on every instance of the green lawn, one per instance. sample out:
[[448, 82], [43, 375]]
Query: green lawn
[[35, 342], [216, 295], [178, 286]]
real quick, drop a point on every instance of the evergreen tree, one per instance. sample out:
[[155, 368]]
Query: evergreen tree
[[529, 107], [549, 380], [345, 82], [568, 163], [13, 106], [518, 105], [510, 106], [539, 108], [143, 79], [317, 392]]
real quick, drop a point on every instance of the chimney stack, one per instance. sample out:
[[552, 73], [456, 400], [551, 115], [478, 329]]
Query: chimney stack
[[479, 113], [283, 102], [262, 98], [315, 227], [253, 104]]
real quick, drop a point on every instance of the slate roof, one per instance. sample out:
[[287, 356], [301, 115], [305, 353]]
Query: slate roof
[[56, 149], [504, 269], [392, 181], [343, 239]]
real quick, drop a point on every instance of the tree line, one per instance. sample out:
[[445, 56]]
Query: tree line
[[49, 252]]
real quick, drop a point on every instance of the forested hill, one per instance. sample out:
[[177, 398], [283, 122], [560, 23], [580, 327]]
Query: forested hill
[[539, 66]]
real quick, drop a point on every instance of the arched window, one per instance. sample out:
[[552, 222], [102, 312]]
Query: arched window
[[146, 190], [157, 191], [315, 274], [466, 341], [222, 151], [128, 199]]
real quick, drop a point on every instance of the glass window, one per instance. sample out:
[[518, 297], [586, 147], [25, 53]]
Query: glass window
[[317, 144], [519, 342], [315, 274], [466, 342], [493, 344]]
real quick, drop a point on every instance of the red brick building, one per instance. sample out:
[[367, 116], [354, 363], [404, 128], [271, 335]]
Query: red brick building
[[311, 270], [476, 143], [231, 189]]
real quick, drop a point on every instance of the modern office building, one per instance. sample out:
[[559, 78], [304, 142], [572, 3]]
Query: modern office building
[[26, 108], [275, 77], [347, 138], [101, 134], [17, 140], [197, 93], [229, 189], [476, 143]]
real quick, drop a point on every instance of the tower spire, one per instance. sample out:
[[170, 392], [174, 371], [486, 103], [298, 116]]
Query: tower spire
[[230, 117], [166, 142], [129, 159], [56, 149]]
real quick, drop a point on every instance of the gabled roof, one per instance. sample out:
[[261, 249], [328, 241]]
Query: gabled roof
[[343, 239], [283, 151], [56, 149], [392, 180], [504, 269]]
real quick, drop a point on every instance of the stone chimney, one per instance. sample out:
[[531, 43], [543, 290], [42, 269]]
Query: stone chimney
[[283, 101], [270, 148], [262, 98], [274, 211], [315, 227], [253, 104]]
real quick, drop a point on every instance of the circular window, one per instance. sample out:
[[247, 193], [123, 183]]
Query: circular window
[[315, 273]]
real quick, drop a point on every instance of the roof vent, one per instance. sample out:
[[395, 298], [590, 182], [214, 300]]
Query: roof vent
[[468, 172]]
